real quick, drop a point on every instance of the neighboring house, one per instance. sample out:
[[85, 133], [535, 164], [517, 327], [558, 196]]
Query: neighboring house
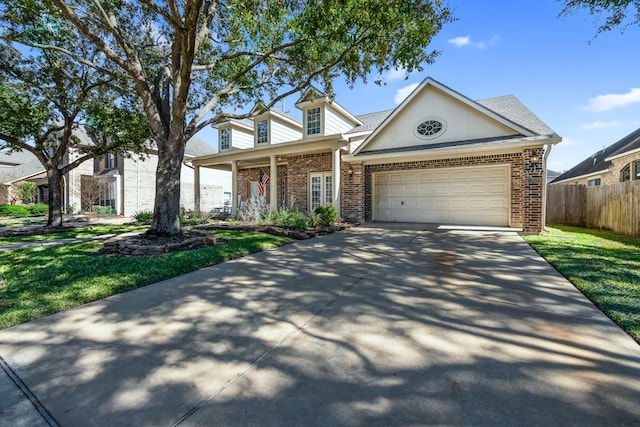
[[618, 162], [551, 175], [127, 184], [439, 157]]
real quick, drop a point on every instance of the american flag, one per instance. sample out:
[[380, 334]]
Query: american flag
[[262, 183]]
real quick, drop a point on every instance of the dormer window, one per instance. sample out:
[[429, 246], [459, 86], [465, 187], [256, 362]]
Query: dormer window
[[262, 132], [109, 160], [313, 121], [225, 139]]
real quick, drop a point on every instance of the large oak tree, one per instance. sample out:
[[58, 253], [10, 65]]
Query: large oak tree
[[197, 62], [47, 95]]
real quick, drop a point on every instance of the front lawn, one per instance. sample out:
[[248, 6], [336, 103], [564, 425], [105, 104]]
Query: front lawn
[[84, 231], [603, 266], [47, 279]]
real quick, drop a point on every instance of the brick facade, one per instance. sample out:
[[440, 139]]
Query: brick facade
[[356, 183]]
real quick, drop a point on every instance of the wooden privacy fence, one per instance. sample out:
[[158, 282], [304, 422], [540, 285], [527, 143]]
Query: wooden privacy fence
[[613, 207]]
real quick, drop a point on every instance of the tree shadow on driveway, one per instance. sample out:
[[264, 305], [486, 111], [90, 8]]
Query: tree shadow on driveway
[[369, 326]]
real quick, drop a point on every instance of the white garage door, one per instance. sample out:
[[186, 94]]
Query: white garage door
[[465, 196]]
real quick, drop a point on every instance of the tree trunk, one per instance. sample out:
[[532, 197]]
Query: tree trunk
[[55, 198], [166, 221]]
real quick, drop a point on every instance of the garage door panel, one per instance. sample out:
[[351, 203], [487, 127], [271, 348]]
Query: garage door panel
[[473, 195]]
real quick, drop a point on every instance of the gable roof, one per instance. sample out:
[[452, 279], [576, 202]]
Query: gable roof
[[510, 107], [507, 110], [19, 165], [196, 147], [601, 161], [311, 94], [370, 121]]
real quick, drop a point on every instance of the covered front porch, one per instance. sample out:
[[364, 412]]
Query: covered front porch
[[301, 174]]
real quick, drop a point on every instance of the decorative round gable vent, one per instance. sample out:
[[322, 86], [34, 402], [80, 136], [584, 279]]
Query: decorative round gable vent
[[430, 128]]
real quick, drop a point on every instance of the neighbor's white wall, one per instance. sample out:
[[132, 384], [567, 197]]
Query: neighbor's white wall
[[73, 195], [463, 122], [139, 185], [213, 184]]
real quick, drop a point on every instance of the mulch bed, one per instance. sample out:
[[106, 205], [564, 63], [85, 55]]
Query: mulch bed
[[143, 244]]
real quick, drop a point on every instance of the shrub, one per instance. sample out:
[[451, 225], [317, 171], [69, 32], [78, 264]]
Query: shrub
[[256, 210], [27, 192], [14, 211], [295, 220], [38, 209], [144, 217], [326, 215], [102, 210], [191, 218]]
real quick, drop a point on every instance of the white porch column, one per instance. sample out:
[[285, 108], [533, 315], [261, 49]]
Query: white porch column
[[273, 188], [234, 188], [335, 179], [118, 194], [196, 189]]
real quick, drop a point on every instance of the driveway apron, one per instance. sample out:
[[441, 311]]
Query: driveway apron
[[377, 325]]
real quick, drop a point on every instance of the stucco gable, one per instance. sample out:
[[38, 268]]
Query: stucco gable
[[462, 120]]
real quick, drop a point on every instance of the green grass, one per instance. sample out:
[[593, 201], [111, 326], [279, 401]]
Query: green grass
[[95, 230], [604, 266], [44, 280]]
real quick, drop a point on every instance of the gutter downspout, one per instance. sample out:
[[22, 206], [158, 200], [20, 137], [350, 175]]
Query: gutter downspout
[[544, 185]]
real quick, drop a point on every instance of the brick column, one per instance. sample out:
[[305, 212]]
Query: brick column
[[353, 192], [533, 191]]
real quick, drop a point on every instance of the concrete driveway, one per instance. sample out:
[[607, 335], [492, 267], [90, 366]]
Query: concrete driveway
[[378, 325]]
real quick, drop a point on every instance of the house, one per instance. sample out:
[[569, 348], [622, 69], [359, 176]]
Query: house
[[439, 157], [551, 175], [619, 162], [124, 183]]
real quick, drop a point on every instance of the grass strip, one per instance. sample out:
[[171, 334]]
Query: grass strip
[[94, 230], [44, 280], [604, 266]]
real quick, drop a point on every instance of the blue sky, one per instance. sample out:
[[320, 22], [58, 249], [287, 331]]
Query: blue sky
[[587, 89]]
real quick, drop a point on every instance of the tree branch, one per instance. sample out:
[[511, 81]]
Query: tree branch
[[169, 18]]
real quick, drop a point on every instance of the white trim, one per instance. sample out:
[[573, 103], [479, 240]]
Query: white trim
[[626, 153], [323, 175], [470, 103], [295, 148], [441, 132], [489, 148], [575, 178]]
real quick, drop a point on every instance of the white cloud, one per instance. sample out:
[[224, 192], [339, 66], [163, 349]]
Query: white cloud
[[396, 74], [569, 142], [599, 124], [614, 100], [460, 41], [402, 93]]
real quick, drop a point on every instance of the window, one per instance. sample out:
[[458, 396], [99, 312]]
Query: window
[[313, 121], [110, 160], [262, 132], [225, 139], [636, 169], [625, 174], [320, 190], [594, 182], [429, 128]]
